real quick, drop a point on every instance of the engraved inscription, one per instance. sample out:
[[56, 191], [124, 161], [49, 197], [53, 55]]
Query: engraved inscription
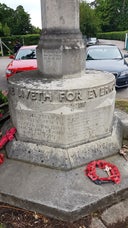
[[70, 96], [32, 95], [62, 96], [51, 128], [102, 91], [52, 61]]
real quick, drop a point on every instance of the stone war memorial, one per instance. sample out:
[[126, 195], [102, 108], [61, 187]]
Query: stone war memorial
[[65, 118]]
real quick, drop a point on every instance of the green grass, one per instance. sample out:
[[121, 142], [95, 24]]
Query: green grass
[[2, 226], [3, 99], [122, 105]]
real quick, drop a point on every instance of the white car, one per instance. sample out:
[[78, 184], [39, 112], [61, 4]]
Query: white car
[[92, 41]]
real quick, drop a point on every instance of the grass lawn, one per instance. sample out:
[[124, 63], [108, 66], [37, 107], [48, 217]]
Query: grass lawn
[[122, 105]]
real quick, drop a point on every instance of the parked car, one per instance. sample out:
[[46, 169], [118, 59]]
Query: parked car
[[92, 41], [110, 59], [24, 60]]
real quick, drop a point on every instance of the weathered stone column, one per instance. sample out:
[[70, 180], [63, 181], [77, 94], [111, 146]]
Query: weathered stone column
[[61, 50]]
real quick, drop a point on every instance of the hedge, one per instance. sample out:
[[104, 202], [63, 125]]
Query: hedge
[[24, 40], [112, 35], [33, 39]]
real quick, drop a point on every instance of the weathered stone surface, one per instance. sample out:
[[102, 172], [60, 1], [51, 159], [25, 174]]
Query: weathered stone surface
[[61, 194], [62, 113], [96, 223], [124, 120], [66, 159], [61, 55], [61, 50], [59, 14], [116, 213], [63, 123]]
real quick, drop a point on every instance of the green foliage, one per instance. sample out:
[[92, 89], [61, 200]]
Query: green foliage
[[2, 226], [98, 16], [21, 23], [1, 30], [31, 39], [6, 30], [89, 23], [3, 98], [14, 22], [1, 111], [113, 35], [122, 105], [113, 15], [6, 15], [36, 30]]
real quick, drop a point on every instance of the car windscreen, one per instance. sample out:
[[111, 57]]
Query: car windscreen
[[102, 53], [26, 54]]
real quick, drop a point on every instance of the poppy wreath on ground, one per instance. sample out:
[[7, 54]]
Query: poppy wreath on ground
[[7, 137], [111, 169]]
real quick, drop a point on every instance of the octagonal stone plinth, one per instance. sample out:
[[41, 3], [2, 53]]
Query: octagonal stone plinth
[[62, 122], [64, 112]]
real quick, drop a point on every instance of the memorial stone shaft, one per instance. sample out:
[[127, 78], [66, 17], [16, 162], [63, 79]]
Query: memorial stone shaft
[[61, 50]]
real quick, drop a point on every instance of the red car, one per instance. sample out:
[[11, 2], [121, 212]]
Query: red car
[[24, 60]]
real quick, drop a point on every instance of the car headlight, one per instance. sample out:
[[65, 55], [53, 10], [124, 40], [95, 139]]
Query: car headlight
[[124, 73], [9, 71]]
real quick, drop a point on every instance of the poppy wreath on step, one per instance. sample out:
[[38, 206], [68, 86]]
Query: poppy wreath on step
[[111, 169]]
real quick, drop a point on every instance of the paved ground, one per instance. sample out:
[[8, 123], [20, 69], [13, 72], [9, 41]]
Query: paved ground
[[113, 217]]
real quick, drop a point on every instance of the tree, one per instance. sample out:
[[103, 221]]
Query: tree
[[6, 14], [17, 21], [6, 30], [36, 30], [21, 23], [1, 30], [89, 23], [102, 9], [113, 15]]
